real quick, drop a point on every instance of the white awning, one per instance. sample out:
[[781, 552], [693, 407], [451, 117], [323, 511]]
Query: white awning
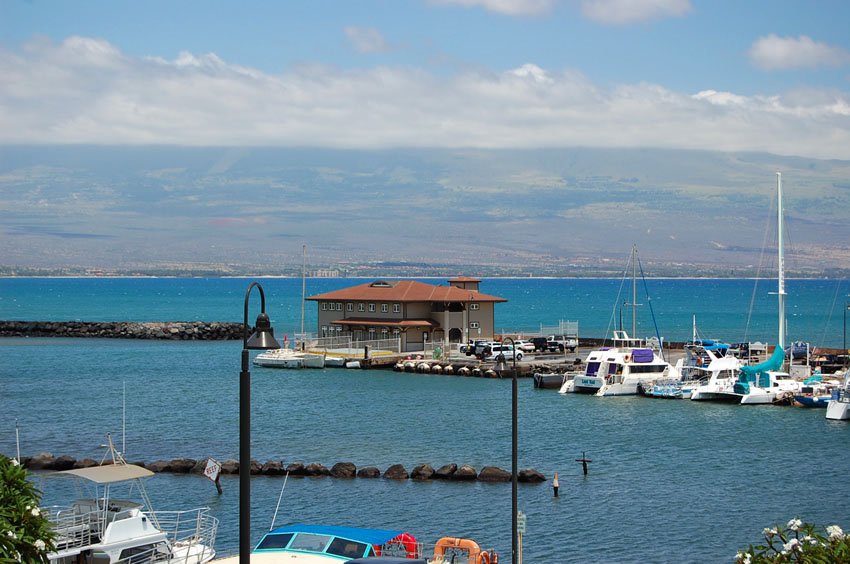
[[109, 473]]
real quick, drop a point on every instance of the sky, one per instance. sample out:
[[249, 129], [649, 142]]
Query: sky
[[720, 75]]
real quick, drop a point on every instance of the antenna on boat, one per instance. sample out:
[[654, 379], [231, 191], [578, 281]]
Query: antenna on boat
[[280, 497], [124, 419], [303, 285]]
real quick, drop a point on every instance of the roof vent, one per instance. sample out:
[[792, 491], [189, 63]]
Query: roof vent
[[380, 284]]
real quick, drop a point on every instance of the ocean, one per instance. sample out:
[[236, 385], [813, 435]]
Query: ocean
[[670, 481]]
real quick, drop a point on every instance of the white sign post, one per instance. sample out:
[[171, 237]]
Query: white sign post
[[212, 472]]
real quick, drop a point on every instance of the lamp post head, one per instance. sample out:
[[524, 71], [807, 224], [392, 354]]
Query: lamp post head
[[263, 335]]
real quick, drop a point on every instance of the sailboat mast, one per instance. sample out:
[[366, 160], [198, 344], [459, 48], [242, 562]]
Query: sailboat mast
[[303, 285], [781, 261], [634, 291]]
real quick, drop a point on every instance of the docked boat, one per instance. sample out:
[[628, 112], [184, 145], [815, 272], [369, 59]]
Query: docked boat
[[622, 370], [320, 544], [288, 358], [549, 380], [764, 383], [107, 528], [718, 374], [585, 381], [662, 389], [838, 407]]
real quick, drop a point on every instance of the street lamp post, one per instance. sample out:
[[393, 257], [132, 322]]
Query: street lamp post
[[514, 440], [261, 338]]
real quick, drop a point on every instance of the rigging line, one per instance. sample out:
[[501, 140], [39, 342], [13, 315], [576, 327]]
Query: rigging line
[[649, 301], [767, 227], [822, 341], [616, 303]]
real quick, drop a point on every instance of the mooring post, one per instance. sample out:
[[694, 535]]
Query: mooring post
[[555, 485], [584, 460]]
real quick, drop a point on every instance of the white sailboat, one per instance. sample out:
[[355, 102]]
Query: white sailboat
[[765, 383]]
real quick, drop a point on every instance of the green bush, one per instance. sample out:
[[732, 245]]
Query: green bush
[[25, 534], [799, 542]]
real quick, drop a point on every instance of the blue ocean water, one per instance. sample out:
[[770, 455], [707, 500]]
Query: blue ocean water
[[729, 309], [670, 481]]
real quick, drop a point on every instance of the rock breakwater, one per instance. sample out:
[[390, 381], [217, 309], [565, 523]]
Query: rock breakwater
[[343, 470], [170, 330]]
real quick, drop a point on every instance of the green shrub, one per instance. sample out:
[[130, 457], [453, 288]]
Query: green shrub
[[25, 534], [799, 542]]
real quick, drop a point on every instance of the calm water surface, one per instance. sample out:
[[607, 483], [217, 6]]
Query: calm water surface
[[670, 481]]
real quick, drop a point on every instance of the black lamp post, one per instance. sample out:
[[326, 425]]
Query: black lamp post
[[261, 338], [514, 440]]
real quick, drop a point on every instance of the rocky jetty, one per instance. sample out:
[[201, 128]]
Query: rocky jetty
[[166, 330], [344, 470]]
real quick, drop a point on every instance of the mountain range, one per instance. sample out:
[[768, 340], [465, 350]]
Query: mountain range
[[547, 212]]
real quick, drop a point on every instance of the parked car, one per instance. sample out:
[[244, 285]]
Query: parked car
[[561, 343], [540, 344], [505, 350], [469, 348], [524, 346]]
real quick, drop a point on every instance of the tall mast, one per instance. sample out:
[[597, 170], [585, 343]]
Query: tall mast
[[303, 284], [634, 290], [781, 290]]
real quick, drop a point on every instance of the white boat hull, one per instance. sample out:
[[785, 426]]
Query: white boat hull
[[838, 410], [587, 384]]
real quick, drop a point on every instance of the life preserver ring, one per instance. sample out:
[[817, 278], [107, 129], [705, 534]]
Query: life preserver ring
[[454, 542], [627, 358]]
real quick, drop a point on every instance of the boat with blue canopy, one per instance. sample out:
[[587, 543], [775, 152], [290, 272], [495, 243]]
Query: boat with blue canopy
[[326, 544]]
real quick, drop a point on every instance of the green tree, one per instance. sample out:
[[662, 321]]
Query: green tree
[[799, 542], [25, 533]]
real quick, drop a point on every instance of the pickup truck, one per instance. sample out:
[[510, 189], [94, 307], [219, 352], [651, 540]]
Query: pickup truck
[[555, 343]]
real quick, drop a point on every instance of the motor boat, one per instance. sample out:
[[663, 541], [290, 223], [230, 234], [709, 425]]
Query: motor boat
[[288, 358], [108, 528], [838, 407]]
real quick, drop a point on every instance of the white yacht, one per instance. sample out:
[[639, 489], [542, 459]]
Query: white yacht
[[108, 529], [288, 358], [623, 369], [719, 373]]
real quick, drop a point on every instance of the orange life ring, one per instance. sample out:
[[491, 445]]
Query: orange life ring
[[484, 558], [469, 545], [627, 358]]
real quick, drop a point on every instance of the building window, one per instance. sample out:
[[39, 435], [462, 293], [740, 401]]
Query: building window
[[384, 331], [339, 307], [396, 331], [324, 306], [424, 335], [324, 330], [371, 331], [396, 308], [372, 308], [349, 307], [361, 307], [474, 306], [385, 308], [474, 325]]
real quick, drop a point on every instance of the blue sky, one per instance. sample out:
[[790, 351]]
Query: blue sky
[[714, 74]]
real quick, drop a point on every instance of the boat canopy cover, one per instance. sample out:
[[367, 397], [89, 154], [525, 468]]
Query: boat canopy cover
[[773, 363], [642, 355], [109, 473], [368, 536]]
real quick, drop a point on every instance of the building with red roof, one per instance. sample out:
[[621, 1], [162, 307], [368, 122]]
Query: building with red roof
[[413, 311]]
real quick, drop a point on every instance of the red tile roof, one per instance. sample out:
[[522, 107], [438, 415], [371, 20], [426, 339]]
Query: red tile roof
[[405, 291]]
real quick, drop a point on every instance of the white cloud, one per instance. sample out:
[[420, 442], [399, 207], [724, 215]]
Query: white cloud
[[507, 7], [777, 53], [620, 12], [86, 91], [366, 39]]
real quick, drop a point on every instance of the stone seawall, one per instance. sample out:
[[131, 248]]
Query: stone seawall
[[421, 472], [170, 330]]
